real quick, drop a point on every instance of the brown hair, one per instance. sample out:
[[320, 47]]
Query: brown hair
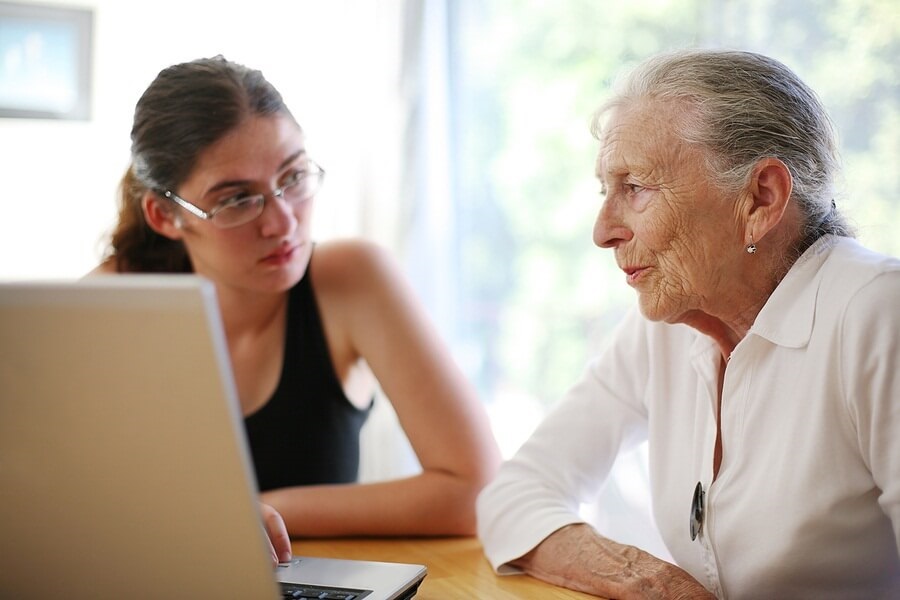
[[188, 107]]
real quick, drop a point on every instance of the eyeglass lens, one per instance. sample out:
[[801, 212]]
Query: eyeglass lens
[[697, 511], [299, 190]]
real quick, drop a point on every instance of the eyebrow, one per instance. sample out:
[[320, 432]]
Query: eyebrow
[[239, 182]]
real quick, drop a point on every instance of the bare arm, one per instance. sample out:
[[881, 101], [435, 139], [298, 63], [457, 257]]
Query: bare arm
[[370, 313], [425, 504], [579, 558]]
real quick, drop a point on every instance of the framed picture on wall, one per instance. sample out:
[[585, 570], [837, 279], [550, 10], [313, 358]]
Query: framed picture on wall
[[45, 61]]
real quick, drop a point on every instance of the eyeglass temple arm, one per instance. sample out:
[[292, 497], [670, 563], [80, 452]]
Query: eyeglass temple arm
[[187, 205]]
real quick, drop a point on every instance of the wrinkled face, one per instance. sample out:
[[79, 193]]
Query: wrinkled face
[[271, 252], [673, 232]]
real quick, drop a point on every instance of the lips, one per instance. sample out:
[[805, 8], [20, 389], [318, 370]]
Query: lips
[[633, 274], [281, 255]]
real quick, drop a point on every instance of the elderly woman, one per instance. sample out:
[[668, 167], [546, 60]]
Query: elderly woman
[[762, 367]]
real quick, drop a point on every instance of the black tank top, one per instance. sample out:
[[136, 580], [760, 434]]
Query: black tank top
[[308, 431]]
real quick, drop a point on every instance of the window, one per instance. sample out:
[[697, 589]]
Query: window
[[535, 298]]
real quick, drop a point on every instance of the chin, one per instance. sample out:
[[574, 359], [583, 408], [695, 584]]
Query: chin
[[294, 269], [655, 309], [289, 277]]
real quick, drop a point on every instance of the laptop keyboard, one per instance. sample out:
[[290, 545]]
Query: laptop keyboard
[[303, 592]]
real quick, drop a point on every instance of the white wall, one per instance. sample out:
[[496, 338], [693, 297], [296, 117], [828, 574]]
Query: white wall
[[334, 62]]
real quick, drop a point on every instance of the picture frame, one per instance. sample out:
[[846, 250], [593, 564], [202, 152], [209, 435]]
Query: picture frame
[[46, 56]]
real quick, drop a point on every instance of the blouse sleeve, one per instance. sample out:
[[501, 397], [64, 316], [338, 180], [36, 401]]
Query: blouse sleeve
[[870, 373], [568, 457]]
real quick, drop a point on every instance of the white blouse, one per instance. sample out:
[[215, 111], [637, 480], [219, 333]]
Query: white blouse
[[807, 500]]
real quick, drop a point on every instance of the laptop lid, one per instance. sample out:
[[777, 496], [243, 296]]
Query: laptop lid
[[123, 459]]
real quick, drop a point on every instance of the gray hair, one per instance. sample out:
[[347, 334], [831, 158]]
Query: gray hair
[[745, 107]]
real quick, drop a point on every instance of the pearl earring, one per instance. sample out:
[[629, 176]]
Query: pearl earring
[[751, 247]]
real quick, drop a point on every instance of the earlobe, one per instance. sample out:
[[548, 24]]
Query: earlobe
[[769, 194], [161, 216]]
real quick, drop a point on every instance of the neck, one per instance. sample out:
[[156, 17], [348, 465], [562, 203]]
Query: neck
[[725, 336], [248, 313]]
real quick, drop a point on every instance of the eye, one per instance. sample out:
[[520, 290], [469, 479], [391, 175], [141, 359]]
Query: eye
[[293, 178], [633, 187], [238, 201]]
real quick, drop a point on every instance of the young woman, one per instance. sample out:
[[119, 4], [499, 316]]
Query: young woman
[[221, 185]]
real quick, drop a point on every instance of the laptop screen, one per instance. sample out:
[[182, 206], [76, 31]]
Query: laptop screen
[[123, 454]]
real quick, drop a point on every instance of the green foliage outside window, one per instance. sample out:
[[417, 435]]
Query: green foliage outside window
[[539, 297]]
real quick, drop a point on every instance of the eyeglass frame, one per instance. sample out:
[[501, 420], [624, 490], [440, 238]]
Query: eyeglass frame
[[278, 192]]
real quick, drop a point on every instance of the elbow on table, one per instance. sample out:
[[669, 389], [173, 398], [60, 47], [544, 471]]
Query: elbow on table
[[460, 516]]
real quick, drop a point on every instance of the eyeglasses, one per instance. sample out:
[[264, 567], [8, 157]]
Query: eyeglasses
[[698, 511], [300, 186]]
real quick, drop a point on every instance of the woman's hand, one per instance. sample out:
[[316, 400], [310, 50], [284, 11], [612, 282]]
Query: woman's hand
[[577, 557], [279, 540]]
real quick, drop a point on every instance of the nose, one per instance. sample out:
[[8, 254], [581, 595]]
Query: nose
[[278, 218], [610, 229]]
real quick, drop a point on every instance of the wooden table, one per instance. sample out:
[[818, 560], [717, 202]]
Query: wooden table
[[457, 568]]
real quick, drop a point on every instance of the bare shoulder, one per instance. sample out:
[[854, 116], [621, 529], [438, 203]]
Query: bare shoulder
[[351, 265], [359, 291], [107, 267]]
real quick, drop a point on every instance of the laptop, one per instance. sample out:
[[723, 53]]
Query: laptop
[[124, 469]]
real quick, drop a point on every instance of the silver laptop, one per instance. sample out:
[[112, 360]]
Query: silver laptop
[[124, 470]]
